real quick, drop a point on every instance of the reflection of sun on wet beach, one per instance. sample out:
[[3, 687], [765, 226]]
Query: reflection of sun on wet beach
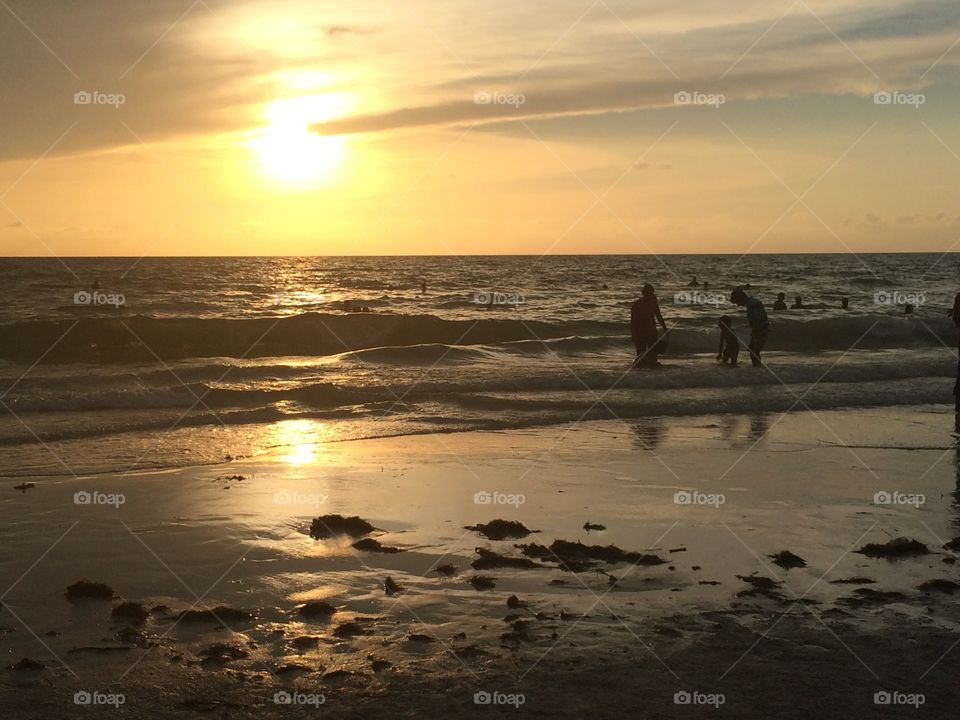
[[301, 441]]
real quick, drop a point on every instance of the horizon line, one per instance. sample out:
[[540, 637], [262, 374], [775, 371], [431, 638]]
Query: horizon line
[[941, 253]]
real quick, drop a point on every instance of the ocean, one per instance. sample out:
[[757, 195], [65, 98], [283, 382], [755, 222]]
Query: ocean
[[167, 362]]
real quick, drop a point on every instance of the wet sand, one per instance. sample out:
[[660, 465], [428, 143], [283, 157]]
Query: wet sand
[[610, 640]]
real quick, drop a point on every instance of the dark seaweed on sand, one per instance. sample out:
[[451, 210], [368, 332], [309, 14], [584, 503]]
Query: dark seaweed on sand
[[92, 590], [371, 545], [939, 585], [305, 642], [316, 609], [482, 582], [349, 629], [219, 614], [391, 587], [222, 653], [897, 548], [501, 530], [788, 560], [132, 611], [330, 525], [490, 560], [853, 581], [27, 664], [760, 586], [577, 557], [869, 596]]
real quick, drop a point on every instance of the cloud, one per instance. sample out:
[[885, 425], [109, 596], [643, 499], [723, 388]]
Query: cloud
[[209, 70], [799, 56]]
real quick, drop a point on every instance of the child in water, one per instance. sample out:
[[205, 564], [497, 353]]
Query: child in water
[[729, 349]]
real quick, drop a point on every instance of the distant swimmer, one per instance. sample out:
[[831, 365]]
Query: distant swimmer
[[706, 286], [423, 287], [908, 310], [845, 303], [605, 287], [95, 285], [729, 349], [797, 303], [781, 303], [693, 282], [759, 323], [644, 315]]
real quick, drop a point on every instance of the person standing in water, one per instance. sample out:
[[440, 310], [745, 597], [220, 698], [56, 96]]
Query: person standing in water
[[759, 323], [781, 303], [729, 349], [644, 315], [955, 314]]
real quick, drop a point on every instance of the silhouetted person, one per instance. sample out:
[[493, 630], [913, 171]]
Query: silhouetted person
[[706, 286], [644, 315], [797, 303], [694, 282], [729, 349], [759, 323], [781, 303], [908, 310], [955, 314], [845, 303], [423, 287]]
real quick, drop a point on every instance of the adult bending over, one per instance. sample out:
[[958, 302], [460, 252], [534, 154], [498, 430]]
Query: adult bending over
[[759, 324]]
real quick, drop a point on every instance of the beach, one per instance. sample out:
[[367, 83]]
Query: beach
[[590, 360], [695, 504]]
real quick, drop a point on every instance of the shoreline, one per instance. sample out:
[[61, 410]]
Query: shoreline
[[202, 533]]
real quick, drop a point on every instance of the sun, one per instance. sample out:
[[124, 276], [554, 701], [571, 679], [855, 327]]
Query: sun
[[289, 151]]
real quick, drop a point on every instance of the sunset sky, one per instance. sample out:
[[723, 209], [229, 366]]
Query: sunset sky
[[454, 127]]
